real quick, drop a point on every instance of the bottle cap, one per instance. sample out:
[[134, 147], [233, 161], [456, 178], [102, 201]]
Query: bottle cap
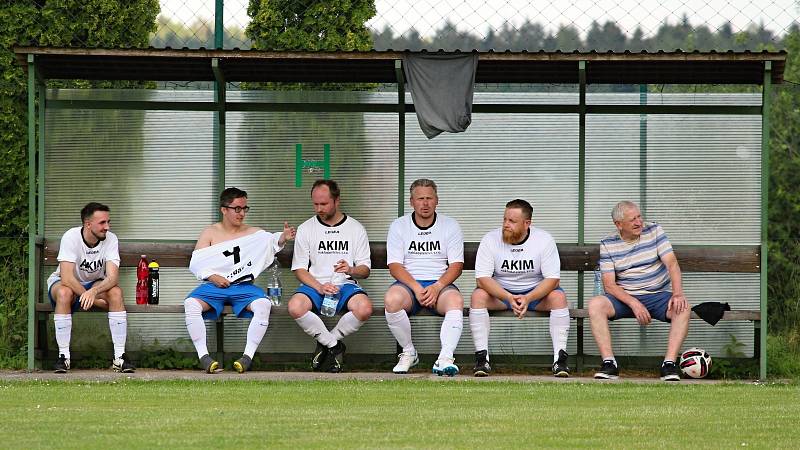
[[144, 256], [153, 265]]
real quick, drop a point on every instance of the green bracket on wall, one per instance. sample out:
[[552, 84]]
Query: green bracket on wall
[[300, 164]]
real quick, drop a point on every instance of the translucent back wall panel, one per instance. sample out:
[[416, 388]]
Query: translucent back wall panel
[[499, 158], [154, 169], [158, 170]]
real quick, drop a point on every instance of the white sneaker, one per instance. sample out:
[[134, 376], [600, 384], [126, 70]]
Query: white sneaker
[[445, 366], [405, 361]]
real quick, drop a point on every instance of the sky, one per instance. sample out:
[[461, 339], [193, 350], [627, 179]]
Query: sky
[[479, 16]]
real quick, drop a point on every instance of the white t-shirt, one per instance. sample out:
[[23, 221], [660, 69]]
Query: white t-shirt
[[425, 252], [518, 268], [318, 247], [90, 262]]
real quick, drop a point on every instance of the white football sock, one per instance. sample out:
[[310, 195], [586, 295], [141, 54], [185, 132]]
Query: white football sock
[[315, 327], [346, 326], [258, 325], [559, 330], [195, 325], [479, 325], [118, 324], [63, 325], [400, 327], [452, 325]]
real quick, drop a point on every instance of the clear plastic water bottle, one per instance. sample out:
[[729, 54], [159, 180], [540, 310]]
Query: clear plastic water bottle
[[274, 286], [598, 282], [330, 301]]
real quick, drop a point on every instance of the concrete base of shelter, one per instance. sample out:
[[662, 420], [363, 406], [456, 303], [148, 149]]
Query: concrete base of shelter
[[96, 375]]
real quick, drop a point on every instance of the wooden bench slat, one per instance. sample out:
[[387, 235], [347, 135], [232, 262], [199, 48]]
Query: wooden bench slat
[[583, 313], [692, 258]]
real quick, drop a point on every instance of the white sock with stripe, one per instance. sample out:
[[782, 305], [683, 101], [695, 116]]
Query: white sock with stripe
[[450, 333], [315, 327], [258, 325], [63, 325], [118, 325], [195, 325], [559, 330], [400, 327]]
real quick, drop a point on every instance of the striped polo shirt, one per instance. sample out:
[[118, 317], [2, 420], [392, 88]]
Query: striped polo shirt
[[637, 265]]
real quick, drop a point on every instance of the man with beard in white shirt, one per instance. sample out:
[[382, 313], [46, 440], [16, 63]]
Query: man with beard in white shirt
[[425, 254], [327, 243], [87, 276], [517, 267]]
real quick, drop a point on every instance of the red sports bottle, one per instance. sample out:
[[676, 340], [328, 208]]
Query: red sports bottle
[[141, 281]]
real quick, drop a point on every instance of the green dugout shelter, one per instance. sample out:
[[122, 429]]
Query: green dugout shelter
[[572, 132]]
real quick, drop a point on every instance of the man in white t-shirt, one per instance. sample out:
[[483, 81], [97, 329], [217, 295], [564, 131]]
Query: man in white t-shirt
[[228, 257], [425, 254], [326, 243], [517, 267], [87, 276]]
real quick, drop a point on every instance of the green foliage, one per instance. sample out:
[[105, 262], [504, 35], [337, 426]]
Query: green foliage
[[310, 24], [157, 356], [82, 23], [783, 355], [784, 196], [13, 307]]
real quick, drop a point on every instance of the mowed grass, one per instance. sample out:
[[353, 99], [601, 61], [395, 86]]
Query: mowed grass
[[397, 413]]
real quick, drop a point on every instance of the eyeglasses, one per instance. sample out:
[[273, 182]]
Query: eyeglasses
[[238, 209]]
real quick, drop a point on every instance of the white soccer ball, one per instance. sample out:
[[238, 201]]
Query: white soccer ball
[[695, 363]]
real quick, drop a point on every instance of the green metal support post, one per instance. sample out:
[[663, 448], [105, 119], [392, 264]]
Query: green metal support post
[[401, 136], [219, 98], [581, 199], [765, 129], [40, 171], [643, 151], [32, 266], [219, 129]]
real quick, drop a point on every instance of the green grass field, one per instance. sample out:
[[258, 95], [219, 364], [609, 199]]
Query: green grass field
[[399, 413]]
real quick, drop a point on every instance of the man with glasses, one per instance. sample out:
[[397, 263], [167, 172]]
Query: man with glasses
[[228, 256], [328, 243]]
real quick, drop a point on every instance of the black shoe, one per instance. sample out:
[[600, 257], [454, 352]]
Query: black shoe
[[669, 371], [560, 367], [62, 364], [123, 364], [243, 364], [209, 365], [608, 371], [320, 356], [337, 361], [482, 367]]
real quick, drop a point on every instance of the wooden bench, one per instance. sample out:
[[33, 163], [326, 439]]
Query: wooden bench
[[733, 259]]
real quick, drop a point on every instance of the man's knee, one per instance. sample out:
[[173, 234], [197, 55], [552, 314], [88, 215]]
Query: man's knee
[[192, 307], [114, 298], [556, 299], [681, 317], [361, 308], [63, 295], [451, 300], [261, 308], [396, 299], [298, 306], [600, 307], [480, 299]]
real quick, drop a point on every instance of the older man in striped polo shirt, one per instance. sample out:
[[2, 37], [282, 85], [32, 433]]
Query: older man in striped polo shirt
[[642, 279]]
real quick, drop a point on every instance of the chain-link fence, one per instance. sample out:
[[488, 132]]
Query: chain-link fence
[[511, 24], [600, 25]]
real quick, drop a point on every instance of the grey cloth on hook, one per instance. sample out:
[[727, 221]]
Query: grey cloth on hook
[[441, 87]]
